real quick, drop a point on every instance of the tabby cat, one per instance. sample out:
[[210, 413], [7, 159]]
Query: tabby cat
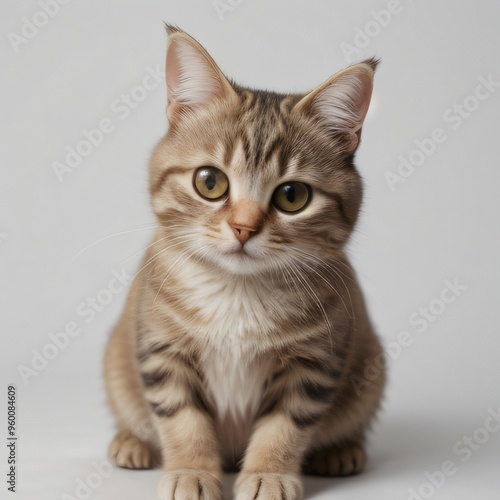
[[245, 334]]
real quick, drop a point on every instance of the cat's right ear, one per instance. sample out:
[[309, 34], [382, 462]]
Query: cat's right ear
[[341, 103], [193, 78]]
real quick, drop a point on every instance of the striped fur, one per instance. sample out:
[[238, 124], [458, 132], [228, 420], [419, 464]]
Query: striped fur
[[224, 360]]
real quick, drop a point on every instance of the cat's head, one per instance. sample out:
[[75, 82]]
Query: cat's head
[[250, 180]]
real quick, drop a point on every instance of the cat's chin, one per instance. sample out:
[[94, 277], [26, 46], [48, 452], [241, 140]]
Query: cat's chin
[[241, 263]]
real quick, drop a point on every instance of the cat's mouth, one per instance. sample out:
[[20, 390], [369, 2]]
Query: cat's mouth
[[239, 252], [237, 249], [240, 259]]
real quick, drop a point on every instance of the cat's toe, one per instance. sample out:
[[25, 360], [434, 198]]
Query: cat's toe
[[188, 484], [268, 486], [336, 461], [128, 451]]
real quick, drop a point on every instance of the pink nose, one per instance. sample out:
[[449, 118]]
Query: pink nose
[[242, 233], [245, 219]]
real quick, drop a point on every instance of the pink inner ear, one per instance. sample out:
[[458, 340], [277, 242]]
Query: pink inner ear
[[342, 101], [192, 76], [363, 100], [172, 72]]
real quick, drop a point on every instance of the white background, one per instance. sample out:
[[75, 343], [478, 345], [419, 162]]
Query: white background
[[60, 241]]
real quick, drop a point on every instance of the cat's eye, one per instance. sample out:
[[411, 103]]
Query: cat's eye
[[292, 196], [210, 183]]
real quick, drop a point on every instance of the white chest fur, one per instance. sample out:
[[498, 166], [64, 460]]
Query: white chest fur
[[234, 383], [235, 322]]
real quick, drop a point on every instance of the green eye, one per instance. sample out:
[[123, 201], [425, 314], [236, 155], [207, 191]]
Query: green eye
[[291, 196], [210, 183]]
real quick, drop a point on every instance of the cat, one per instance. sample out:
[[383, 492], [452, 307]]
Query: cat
[[245, 334]]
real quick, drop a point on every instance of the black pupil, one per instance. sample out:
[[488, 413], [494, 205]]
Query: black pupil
[[289, 192], [210, 181]]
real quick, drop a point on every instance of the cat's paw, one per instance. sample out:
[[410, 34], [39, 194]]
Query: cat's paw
[[130, 452], [336, 461], [268, 486], [187, 484]]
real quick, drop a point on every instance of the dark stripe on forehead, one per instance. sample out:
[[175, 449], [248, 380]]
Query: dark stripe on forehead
[[258, 144], [263, 129], [287, 104], [248, 99], [246, 146], [273, 147], [271, 101], [283, 160], [229, 147]]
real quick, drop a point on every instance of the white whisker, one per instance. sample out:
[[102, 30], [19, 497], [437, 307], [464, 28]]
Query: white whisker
[[316, 260], [107, 237]]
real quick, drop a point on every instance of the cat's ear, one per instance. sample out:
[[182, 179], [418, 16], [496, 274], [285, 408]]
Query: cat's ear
[[192, 76], [341, 103]]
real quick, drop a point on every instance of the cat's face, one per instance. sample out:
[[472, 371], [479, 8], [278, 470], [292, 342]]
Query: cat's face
[[252, 180]]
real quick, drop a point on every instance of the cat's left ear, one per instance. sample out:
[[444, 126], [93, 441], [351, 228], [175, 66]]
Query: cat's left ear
[[341, 103], [193, 77]]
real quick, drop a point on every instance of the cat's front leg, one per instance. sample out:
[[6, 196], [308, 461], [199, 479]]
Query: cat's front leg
[[271, 469], [190, 455], [296, 402], [184, 423]]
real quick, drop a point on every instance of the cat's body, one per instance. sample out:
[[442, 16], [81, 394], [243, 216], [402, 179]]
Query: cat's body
[[245, 336]]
